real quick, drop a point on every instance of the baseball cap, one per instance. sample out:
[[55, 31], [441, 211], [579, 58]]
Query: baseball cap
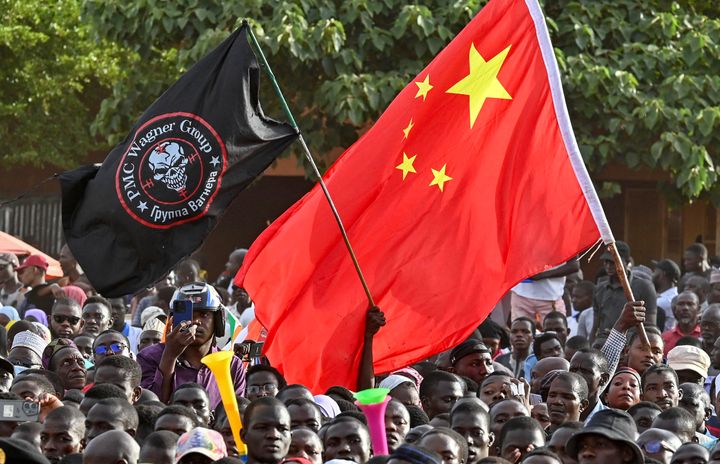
[[687, 357], [613, 424], [9, 258], [465, 348], [669, 267], [35, 260], [202, 441]]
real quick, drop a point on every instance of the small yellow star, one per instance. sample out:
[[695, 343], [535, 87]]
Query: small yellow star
[[407, 165], [439, 177], [407, 130], [423, 87]]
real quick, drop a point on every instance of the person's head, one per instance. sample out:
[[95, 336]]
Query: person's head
[[470, 420], [187, 271], [495, 387], [623, 250], [234, 261], [100, 392], [555, 321], [494, 335], [9, 263], [502, 411], [658, 444], [62, 433], [691, 453], [544, 366], [304, 443], [32, 270], [159, 448], [608, 437], [194, 396], [696, 401], [207, 310], [113, 446], [397, 424], [666, 274], [540, 413], [177, 419], [110, 343], [567, 398], [84, 343], [686, 308], [522, 332], [147, 415], [97, 314], [200, 446], [262, 381], [450, 445], [149, 337], [110, 414], [547, 345], [69, 364], [690, 362], [439, 391], [640, 357], [699, 285], [407, 393], [294, 392], [710, 323], [122, 372], [518, 437], [575, 344], [32, 387], [695, 258], [266, 430], [678, 421], [643, 414], [471, 359], [582, 295], [660, 386], [30, 433], [118, 310], [66, 318], [592, 366], [347, 438], [304, 413], [68, 263], [624, 389], [559, 438]]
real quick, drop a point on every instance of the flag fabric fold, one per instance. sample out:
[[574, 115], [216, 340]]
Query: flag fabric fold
[[463, 187], [162, 190]]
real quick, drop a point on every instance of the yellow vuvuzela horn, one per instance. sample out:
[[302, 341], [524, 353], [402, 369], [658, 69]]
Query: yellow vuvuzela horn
[[219, 364]]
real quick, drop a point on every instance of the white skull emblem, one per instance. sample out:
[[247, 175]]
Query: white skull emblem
[[168, 163]]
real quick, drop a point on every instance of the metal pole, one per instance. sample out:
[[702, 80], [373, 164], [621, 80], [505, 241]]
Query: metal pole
[[308, 155]]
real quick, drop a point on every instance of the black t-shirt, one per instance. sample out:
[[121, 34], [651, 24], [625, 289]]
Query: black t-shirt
[[37, 298]]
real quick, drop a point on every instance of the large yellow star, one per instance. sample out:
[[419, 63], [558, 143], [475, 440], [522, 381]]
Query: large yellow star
[[439, 177], [407, 165], [482, 82], [409, 127], [423, 87]]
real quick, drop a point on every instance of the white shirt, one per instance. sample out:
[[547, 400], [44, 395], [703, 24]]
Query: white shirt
[[585, 323], [550, 289], [664, 300]]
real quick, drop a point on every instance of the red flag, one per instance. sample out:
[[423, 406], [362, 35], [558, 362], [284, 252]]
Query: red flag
[[468, 183]]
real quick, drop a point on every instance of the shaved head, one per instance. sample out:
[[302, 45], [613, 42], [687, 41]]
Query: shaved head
[[111, 446]]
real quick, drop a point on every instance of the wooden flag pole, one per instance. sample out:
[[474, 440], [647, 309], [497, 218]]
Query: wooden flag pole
[[308, 155], [622, 276]]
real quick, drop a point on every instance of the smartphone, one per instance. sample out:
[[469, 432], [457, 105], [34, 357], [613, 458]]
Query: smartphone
[[181, 311], [19, 411]]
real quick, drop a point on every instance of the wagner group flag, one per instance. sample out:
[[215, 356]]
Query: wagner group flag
[[162, 190], [469, 182]]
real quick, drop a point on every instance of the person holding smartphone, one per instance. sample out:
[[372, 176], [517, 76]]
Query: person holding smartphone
[[196, 319]]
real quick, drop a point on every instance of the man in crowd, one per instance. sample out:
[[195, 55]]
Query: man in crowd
[[97, 314], [66, 318], [471, 359], [685, 309], [32, 274], [522, 332], [582, 301], [118, 311], [665, 278], [439, 391], [11, 289]]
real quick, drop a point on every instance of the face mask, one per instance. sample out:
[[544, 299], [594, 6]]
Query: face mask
[[19, 369]]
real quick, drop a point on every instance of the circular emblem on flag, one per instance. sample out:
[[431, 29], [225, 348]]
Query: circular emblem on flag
[[171, 170]]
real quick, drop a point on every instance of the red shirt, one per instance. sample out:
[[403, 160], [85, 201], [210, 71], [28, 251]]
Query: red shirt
[[671, 337]]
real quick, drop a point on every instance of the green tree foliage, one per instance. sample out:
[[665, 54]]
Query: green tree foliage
[[642, 79], [52, 79]]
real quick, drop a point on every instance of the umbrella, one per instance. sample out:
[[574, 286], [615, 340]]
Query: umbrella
[[11, 244]]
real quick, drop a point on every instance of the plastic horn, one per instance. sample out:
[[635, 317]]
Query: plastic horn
[[219, 364], [373, 403]]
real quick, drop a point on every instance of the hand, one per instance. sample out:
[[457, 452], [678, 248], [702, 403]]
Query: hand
[[47, 403], [633, 314], [57, 291], [374, 319], [179, 338]]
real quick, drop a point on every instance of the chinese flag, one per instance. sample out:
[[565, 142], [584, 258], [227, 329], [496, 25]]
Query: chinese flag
[[468, 183]]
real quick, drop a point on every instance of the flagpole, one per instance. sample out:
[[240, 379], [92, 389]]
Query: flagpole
[[622, 276], [310, 159]]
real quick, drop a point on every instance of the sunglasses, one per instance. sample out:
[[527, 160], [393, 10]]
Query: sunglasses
[[116, 348], [654, 446], [59, 319]]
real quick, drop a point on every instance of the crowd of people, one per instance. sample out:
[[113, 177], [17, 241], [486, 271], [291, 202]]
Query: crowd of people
[[559, 373]]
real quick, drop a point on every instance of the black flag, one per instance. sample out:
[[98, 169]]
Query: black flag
[[161, 191]]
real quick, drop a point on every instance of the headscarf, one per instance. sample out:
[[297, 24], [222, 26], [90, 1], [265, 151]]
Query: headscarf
[[10, 312], [75, 293], [328, 406], [394, 380], [627, 370], [53, 348], [39, 316]]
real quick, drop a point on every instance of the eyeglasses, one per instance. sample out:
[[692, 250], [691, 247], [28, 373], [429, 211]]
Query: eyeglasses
[[267, 388], [656, 446], [116, 348], [59, 319]]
